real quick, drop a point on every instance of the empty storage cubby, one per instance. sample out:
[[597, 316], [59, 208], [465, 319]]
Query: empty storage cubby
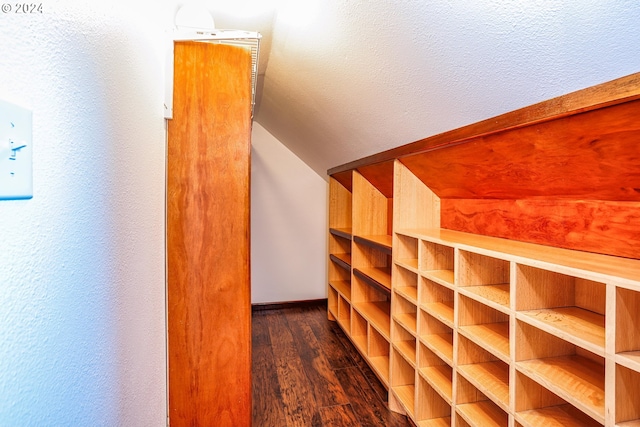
[[437, 262], [572, 373], [405, 283], [538, 407], [344, 314], [437, 336], [627, 324], [486, 372], [436, 372], [431, 409], [437, 300], [379, 354], [404, 341], [359, 332], [403, 377], [474, 408], [405, 313], [569, 307], [332, 302], [487, 327], [373, 303], [627, 397], [406, 251], [485, 279]]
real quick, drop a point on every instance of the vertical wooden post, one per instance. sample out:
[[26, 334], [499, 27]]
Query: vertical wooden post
[[208, 284]]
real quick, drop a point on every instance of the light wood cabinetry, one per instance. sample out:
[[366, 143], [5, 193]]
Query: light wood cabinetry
[[473, 330]]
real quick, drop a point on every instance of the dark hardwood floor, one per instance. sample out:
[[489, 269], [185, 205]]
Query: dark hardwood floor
[[306, 372]]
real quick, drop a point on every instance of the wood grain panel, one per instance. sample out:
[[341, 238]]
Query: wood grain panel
[[381, 176], [590, 156], [614, 92], [209, 306], [604, 227]]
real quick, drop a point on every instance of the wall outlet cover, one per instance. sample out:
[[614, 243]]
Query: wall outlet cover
[[16, 152]]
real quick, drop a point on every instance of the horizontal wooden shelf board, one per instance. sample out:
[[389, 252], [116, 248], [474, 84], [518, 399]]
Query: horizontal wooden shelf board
[[376, 313], [345, 324], [439, 378], [361, 343], [495, 296], [575, 379], [382, 242], [630, 360], [409, 292], [443, 311], [493, 337], [343, 287], [345, 233], [483, 414], [380, 365], [554, 416], [436, 422], [406, 396], [491, 378], [376, 276], [407, 349], [634, 423], [576, 263], [443, 277], [343, 260], [408, 322], [410, 264], [576, 325], [441, 345]]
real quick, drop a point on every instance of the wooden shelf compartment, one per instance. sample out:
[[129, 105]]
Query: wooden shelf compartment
[[343, 233], [487, 327], [360, 333], [431, 409], [405, 283], [344, 314], [486, 372], [627, 344], [627, 397], [437, 300], [572, 373], [569, 307], [340, 205], [342, 260], [378, 355], [406, 252], [436, 373], [403, 377], [404, 341], [475, 409], [436, 336], [538, 407], [375, 276], [372, 206], [343, 287], [381, 242], [372, 303], [436, 262], [405, 313], [332, 303], [485, 278]]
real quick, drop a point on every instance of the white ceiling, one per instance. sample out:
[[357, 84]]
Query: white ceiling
[[342, 79]]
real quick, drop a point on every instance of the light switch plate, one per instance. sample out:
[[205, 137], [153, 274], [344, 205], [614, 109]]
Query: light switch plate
[[16, 151]]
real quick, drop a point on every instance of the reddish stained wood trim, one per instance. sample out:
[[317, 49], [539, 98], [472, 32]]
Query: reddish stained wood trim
[[208, 289], [603, 227], [590, 156], [346, 179], [380, 176], [614, 92]]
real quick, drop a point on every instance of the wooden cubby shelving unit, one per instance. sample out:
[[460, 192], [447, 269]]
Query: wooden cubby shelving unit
[[469, 329]]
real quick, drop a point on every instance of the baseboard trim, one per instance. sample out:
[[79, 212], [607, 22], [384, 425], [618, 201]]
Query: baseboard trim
[[288, 304]]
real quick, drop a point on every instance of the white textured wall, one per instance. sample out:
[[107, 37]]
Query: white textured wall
[[288, 224], [82, 339], [348, 79]]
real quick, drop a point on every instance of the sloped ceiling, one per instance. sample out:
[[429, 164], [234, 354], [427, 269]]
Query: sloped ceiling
[[343, 79]]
